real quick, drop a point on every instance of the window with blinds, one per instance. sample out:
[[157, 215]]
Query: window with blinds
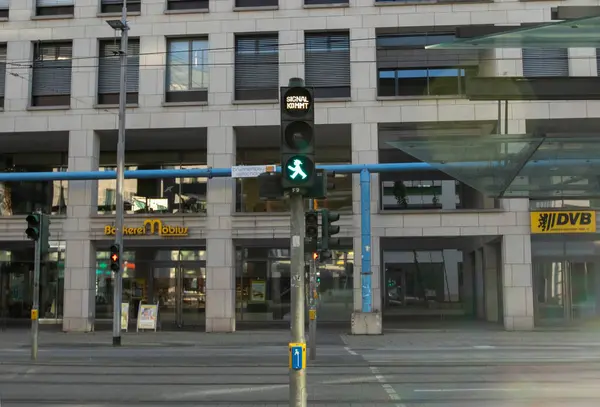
[[109, 71], [54, 7], [545, 62], [2, 73], [115, 6], [4, 6], [187, 5], [187, 70], [51, 74], [406, 68], [256, 3], [257, 67], [327, 63], [315, 2]]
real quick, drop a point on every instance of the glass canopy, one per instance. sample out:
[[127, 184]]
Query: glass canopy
[[579, 33], [518, 166]]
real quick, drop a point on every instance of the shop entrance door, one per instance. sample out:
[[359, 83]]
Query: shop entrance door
[[180, 291], [565, 291]]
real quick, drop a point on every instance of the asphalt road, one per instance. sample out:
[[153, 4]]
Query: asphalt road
[[254, 373]]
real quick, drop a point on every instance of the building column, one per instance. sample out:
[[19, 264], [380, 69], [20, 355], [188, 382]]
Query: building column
[[220, 251], [491, 282], [365, 151], [451, 259], [80, 260]]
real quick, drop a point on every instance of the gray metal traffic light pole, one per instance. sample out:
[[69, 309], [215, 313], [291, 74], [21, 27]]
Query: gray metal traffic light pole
[[312, 302], [118, 280], [35, 320], [298, 394]]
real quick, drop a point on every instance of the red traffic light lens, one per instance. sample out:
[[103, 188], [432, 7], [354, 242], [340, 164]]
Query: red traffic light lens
[[114, 257]]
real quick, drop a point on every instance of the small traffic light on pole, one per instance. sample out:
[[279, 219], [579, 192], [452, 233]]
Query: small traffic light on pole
[[34, 226], [328, 229], [311, 231], [297, 136], [115, 261]]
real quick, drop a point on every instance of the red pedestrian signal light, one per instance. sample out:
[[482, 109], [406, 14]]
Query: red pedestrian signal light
[[115, 264]]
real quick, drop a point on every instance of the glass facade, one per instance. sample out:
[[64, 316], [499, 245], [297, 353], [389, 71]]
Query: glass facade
[[175, 279], [19, 198], [263, 285], [16, 282], [167, 195], [566, 283]]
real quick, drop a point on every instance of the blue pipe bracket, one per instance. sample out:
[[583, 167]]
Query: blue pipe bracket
[[365, 240]]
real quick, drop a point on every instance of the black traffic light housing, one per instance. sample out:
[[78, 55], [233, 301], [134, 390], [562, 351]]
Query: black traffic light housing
[[328, 229], [311, 231], [34, 226], [115, 260], [297, 135]]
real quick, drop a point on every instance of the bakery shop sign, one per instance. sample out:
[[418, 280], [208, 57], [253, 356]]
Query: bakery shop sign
[[150, 227]]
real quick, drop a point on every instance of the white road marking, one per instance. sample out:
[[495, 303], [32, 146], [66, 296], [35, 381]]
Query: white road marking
[[391, 392], [219, 392], [462, 390], [350, 351], [510, 389], [484, 347]]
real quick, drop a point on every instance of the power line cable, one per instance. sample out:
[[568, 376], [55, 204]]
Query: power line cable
[[259, 63]]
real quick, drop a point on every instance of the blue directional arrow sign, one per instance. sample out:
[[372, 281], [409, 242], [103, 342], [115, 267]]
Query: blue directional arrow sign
[[297, 355]]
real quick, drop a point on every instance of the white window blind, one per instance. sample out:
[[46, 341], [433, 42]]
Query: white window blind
[[4, 4], [2, 69], [54, 3]]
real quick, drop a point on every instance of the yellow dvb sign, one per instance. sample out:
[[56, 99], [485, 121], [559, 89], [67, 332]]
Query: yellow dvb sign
[[150, 227], [563, 222]]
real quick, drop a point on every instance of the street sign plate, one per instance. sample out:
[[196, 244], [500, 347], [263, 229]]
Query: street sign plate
[[250, 171], [297, 356]]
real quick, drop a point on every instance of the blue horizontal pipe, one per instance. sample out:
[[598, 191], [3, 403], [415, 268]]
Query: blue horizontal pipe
[[226, 172]]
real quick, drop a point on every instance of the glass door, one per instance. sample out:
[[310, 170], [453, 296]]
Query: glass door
[[582, 287], [180, 291], [192, 282]]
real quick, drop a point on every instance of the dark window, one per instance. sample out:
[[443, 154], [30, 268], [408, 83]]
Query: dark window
[[2, 73], [545, 62], [327, 63], [115, 6], [315, 2], [4, 7], [109, 72], [256, 3], [51, 76], [187, 5], [54, 7], [187, 70], [257, 67], [406, 68]]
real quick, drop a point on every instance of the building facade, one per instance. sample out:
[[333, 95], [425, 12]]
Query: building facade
[[203, 82]]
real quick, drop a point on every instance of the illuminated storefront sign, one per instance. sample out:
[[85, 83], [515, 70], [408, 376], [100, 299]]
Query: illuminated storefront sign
[[563, 222], [150, 227]]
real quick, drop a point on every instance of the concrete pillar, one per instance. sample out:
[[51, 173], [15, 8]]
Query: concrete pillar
[[451, 259], [490, 280], [448, 198], [364, 150], [80, 259], [220, 252], [291, 59], [479, 285], [517, 282], [468, 300]]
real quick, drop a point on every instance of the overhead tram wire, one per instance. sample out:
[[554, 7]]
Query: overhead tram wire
[[226, 64]]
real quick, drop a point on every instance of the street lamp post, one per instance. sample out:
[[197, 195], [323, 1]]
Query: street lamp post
[[118, 276]]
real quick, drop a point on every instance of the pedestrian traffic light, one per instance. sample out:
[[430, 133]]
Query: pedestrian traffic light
[[34, 226], [328, 229], [115, 261], [297, 136]]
